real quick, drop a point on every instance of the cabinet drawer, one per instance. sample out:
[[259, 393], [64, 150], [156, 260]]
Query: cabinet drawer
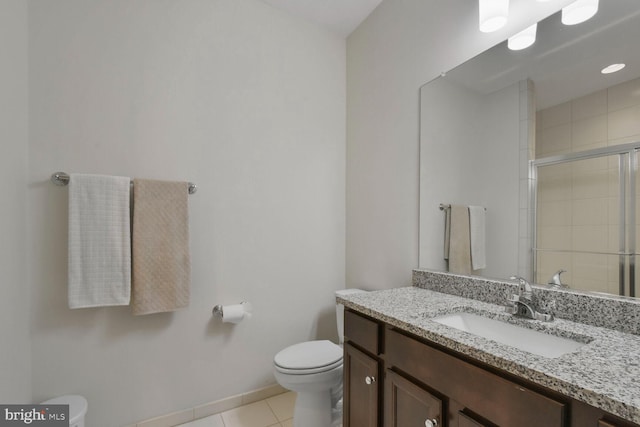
[[494, 398], [362, 331]]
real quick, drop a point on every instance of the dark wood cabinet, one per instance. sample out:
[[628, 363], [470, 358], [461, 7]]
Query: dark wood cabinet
[[361, 385], [395, 379], [608, 423], [583, 415], [363, 370], [407, 404], [496, 399], [465, 420]]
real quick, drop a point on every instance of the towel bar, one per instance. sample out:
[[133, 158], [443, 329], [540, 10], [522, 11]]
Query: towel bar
[[443, 207], [62, 178]]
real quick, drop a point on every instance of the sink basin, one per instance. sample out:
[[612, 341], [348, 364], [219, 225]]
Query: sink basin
[[522, 338]]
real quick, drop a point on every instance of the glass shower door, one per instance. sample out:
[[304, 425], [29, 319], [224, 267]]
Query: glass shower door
[[584, 212]]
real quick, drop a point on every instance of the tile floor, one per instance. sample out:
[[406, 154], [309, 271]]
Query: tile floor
[[276, 411]]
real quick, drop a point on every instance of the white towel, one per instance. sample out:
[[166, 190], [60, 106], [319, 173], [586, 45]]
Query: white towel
[[99, 241], [447, 232], [477, 237]]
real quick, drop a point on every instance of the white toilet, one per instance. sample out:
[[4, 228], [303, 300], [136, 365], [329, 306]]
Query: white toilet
[[77, 408], [313, 369]]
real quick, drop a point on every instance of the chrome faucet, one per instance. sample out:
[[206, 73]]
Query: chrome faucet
[[522, 305], [556, 281]]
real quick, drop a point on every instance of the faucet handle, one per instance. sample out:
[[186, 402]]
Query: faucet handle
[[544, 317], [524, 288], [511, 309]]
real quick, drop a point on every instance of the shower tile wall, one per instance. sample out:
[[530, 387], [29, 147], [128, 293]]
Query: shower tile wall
[[578, 202]]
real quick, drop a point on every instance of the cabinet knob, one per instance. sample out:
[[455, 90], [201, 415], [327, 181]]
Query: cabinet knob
[[431, 423], [370, 380]]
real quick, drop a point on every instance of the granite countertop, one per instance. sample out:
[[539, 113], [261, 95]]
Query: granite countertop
[[603, 373]]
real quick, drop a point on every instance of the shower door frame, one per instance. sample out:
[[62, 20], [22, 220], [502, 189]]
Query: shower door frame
[[627, 170]]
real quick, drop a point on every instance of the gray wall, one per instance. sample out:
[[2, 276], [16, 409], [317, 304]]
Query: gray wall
[[466, 139], [243, 100], [402, 45], [15, 352]]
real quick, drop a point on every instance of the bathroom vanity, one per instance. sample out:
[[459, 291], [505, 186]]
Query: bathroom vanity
[[402, 368]]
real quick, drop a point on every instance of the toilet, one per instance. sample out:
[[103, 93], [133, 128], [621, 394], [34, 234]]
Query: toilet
[[77, 408], [313, 369]]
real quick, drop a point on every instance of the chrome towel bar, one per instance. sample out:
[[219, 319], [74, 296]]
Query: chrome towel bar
[[62, 178]]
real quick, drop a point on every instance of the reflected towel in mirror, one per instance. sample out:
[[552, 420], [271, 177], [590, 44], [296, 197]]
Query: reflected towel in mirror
[[477, 237]]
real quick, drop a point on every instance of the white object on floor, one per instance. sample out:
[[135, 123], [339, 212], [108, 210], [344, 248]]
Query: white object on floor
[[77, 408]]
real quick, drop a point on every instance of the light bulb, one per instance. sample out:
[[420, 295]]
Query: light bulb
[[523, 39], [493, 15], [579, 11]]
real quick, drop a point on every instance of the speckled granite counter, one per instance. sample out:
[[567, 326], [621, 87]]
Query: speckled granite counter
[[604, 373]]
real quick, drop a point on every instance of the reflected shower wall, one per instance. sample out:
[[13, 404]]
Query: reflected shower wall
[[586, 196], [577, 227]]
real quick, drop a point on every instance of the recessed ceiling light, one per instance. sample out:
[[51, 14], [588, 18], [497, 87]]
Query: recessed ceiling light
[[612, 68]]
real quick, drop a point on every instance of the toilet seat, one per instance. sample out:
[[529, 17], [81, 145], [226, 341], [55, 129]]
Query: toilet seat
[[309, 357]]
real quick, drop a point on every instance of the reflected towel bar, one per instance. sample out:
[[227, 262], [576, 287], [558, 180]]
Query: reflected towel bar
[[443, 207], [62, 178]]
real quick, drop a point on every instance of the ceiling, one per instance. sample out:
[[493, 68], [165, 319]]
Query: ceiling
[[565, 61], [339, 16]]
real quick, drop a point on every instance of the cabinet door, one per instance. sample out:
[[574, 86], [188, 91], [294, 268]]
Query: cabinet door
[[408, 405], [465, 420], [360, 388]]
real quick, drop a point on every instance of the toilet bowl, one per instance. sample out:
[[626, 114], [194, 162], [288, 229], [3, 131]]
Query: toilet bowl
[[313, 369], [77, 408]]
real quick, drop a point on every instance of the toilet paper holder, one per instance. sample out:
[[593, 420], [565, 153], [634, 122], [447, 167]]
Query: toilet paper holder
[[218, 310]]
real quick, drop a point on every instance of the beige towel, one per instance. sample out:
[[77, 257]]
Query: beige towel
[[161, 261], [459, 244]]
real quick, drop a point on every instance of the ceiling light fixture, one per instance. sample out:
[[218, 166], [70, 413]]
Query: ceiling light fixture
[[579, 11], [493, 15], [523, 39], [612, 68]]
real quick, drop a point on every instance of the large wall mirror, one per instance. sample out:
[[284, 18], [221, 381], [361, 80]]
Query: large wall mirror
[[549, 145]]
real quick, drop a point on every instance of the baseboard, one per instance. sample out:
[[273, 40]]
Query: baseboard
[[211, 408]]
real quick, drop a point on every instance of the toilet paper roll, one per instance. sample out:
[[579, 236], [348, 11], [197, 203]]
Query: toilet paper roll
[[233, 313]]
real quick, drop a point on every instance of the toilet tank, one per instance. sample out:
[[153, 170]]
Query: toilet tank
[[340, 311]]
